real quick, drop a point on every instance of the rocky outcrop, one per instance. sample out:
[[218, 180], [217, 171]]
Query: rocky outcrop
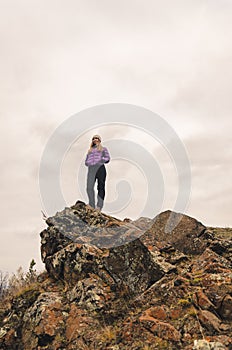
[[74, 255], [180, 231], [162, 283]]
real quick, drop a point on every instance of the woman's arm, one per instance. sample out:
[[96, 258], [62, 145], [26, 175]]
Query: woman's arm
[[105, 155], [88, 159]]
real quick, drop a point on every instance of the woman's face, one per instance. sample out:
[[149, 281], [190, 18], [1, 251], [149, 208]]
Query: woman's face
[[95, 140]]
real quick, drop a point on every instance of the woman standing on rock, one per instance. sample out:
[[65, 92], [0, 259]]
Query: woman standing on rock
[[96, 157]]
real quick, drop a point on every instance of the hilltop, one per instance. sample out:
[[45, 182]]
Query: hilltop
[[161, 283]]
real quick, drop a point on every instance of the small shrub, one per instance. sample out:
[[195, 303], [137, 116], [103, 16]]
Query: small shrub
[[18, 283], [196, 281], [184, 302], [3, 284], [108, 335], [192, 311]]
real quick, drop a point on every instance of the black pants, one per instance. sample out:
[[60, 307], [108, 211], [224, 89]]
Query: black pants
[[99, 174]]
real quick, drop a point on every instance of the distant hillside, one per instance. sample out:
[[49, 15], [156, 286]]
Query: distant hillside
[[162, 283]]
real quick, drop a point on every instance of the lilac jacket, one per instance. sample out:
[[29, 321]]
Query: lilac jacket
[[97, 157]]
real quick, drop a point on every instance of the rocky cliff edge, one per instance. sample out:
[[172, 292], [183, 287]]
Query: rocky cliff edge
[[162, 283]]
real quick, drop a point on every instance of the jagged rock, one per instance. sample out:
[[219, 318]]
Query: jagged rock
[[91, 293], [83, 224], [161, 329], [180, 231], [143, 223], [213, 273], [205, 345], [225, 309], [43, 321], [120, 284], [80, 325], [203, 301], [209, 320], [158, 312], [165, 266], [131, 265], [221, 242]]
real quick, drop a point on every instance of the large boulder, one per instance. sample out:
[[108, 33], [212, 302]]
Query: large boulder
[[178, 230], [72, 249]]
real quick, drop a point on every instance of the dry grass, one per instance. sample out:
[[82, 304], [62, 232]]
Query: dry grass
[[17, 284], [221, 232], [108, 334]]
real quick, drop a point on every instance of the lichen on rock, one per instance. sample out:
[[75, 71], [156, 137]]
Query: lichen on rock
[[161, 283]]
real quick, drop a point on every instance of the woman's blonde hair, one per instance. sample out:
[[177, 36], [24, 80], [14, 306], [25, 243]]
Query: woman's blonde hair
[[99, 146]]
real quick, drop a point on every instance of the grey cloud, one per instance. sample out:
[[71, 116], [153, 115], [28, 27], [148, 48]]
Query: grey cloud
[[210, 157], [210, 149]]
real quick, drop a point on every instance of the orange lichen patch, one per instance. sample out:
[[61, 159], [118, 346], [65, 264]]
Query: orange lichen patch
[[175, 313], [166, 331], [77, 323], [52, 319], [209, 320], [202, 300], [156, 312], [78, 245], [147, 318], [163, 330]]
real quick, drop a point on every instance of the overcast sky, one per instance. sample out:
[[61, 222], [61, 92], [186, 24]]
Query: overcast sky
[[59, 57]]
